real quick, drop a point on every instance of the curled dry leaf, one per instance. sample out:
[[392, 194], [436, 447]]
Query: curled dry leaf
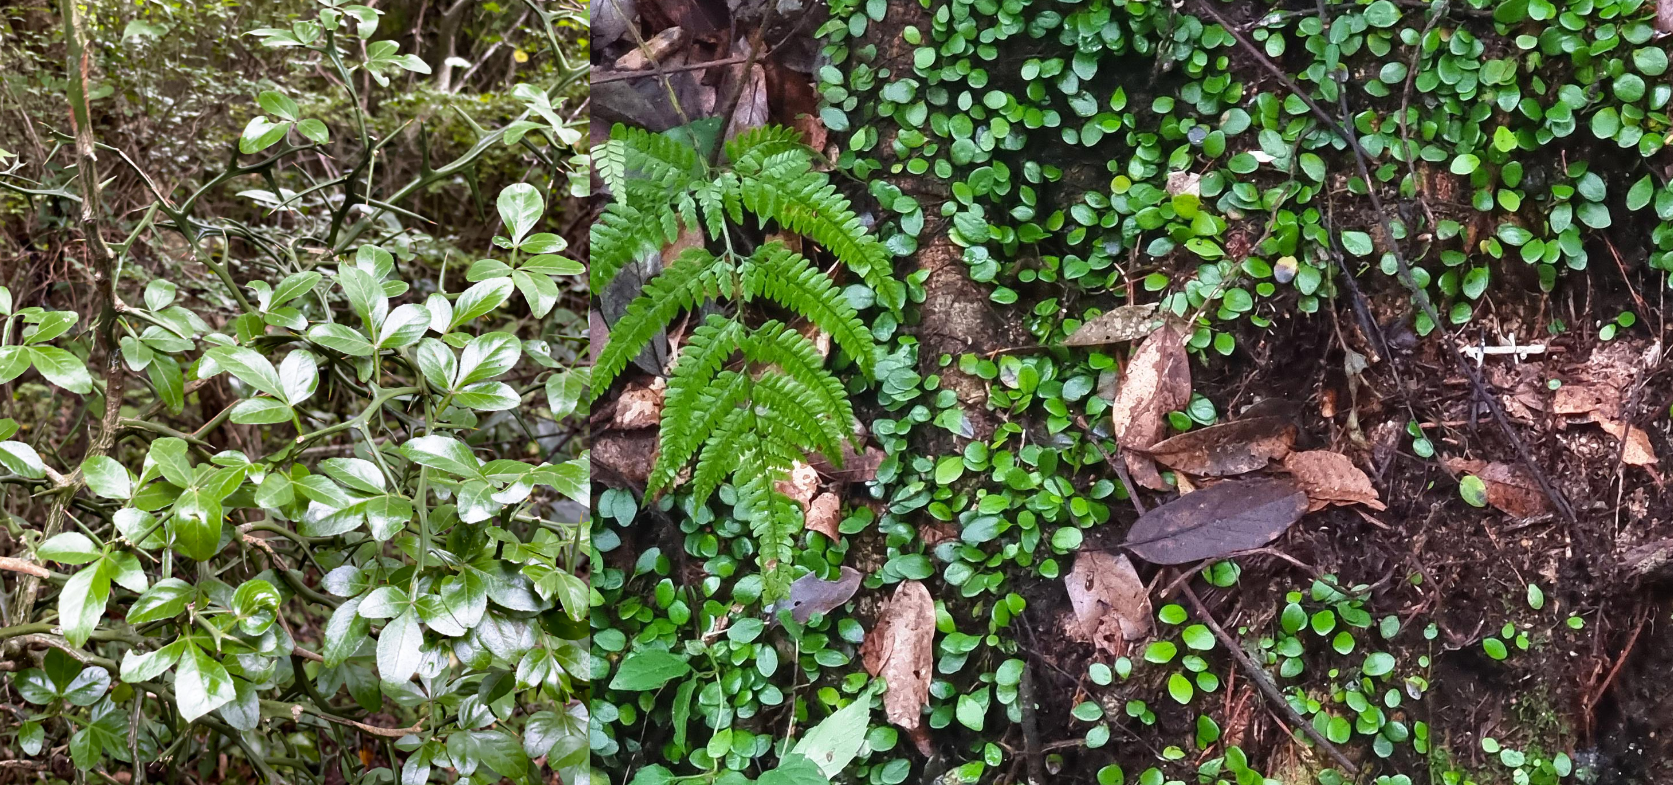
[[1509, 488], [1217, 521], [1125, 323], [1638, 450], [901, 649], [1330, 478], [1156, 381], [811, 594], [1226, 449], [856, 466], [824, 514], [801, 485], [640, 406], [1111, 605]]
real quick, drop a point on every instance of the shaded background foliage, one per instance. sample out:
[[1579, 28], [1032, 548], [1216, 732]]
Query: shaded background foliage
[[171, 88]]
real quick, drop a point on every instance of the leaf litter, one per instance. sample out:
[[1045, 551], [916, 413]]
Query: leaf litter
[[1112, 607], [1156, 381], [901, 649], [1329, 478], [1509, 488], [1219, 520], [1124, 323], [811, 594], [1227, 449]]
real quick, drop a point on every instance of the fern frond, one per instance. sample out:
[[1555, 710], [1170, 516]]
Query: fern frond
[[759, 143], [611, 160], [693, 277], [786, 190], [783, 412], [698, 396], [776, 344], [774, 517], [711, 197], [720, 453], [622, 234], [672, 165], [789, 279]]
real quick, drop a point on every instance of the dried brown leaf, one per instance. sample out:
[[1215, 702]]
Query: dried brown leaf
[[656, 50], [1509, 488], [1216, 521], [1156, 381], [640, 406], [824, 514], [1111, 605], [1125, 323], [1638, 450], [901, 649], [1330, 478], [1236, 447]]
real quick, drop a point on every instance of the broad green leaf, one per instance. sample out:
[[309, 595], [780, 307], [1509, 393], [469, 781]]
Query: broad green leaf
[[250, 367], [260, 134], [82, 603], [169, 455], [69, 548], [345, 633], [486, 357], [358, 474], [51, 325], [165, 600], [552, 264], [14, 360], [261, 411], [22, 460], [196, 524], [465, 597], [278, 104], [437, 362], [404, 326], [836, 740], [365, 295], [298, 376], [244, 710], [487, 397], [293, 285], [88, 686], [340, 338], [520, 208], [201, 684], [61, 368], [314, 131], [400, 648], [386, 516], [538, 290], [444, 453], [564, 390], [106, 477], [480, 299], [648, 669], [138, 666]]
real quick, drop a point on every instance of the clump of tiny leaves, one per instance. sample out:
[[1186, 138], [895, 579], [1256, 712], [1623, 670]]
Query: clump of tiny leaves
[[315, 535]]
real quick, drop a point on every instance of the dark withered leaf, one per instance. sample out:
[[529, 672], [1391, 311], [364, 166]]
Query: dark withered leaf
[[1217, 521], [1226, 449], [812, 594]]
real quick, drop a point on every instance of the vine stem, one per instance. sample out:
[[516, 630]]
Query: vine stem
[[104, 271], [1264, 683]]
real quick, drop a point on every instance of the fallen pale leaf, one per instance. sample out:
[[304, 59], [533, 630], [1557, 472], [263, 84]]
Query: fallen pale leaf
[[1124, 323], [1156, 381], [1217, 521], [901, 649], [1330, 478], [1112, 608], [1638, 450], [1236, 447]]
